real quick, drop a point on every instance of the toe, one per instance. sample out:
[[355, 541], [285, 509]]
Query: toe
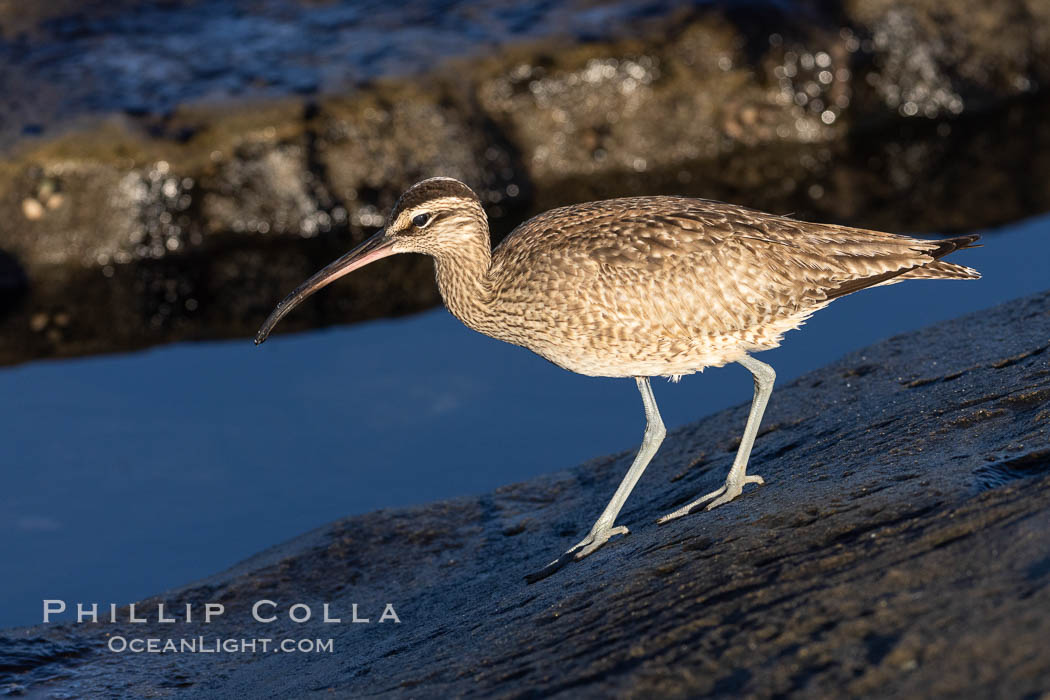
[[589, 545], [704, 499], [729, 494], [686, 510], [726, 498], [596, 541], [587, 551], [589, 548], [669, 517]]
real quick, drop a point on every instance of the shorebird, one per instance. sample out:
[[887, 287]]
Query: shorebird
[[640, 287]]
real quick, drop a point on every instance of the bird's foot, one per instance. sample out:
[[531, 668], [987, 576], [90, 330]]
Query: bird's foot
[[720, 496], [590, 544]]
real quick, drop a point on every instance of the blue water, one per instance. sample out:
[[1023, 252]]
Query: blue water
[[151, 57], [126, 475]]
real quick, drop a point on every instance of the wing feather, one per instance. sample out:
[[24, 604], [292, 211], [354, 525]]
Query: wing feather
[[687, 268]]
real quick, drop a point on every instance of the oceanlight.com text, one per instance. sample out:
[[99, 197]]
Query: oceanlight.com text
[[217, 645]]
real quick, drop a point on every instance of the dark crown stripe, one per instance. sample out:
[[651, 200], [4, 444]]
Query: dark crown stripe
[[434, 188]]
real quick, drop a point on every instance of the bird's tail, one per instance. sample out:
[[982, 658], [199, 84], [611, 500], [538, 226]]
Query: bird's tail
[[940, 270], [934, 269]]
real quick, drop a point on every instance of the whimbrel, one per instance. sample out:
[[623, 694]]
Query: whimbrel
[[640, 287]]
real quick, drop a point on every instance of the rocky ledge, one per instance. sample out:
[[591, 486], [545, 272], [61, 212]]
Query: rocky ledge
[[898, 548], [127, 223]]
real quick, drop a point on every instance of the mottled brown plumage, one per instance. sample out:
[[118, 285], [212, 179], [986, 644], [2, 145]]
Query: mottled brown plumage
[[665, 286], [641, 287]]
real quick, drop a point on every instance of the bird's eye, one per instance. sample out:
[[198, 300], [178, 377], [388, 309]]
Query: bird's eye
[[421, 220]]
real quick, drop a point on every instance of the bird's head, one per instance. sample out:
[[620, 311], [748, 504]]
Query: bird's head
[[431, 217]]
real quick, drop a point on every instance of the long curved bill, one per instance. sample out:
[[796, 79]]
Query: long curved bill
[[376, 247]]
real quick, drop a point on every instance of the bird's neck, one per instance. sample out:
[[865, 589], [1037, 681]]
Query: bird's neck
[[463, 279]]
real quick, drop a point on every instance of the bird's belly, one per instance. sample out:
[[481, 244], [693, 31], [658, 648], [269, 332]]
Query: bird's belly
[[643, 357], [640, 350]]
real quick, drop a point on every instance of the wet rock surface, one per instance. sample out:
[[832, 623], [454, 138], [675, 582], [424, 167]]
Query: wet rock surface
[[899, 547], [137, 210]]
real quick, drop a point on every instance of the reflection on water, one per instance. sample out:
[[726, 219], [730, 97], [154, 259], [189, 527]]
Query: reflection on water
[[126, 475], [148, 58]]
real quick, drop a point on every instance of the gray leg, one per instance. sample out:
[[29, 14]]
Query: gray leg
[[764, 377], [603, 529]]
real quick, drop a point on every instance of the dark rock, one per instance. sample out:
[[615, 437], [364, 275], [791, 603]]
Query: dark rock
[[898, 548], [190, 220]]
